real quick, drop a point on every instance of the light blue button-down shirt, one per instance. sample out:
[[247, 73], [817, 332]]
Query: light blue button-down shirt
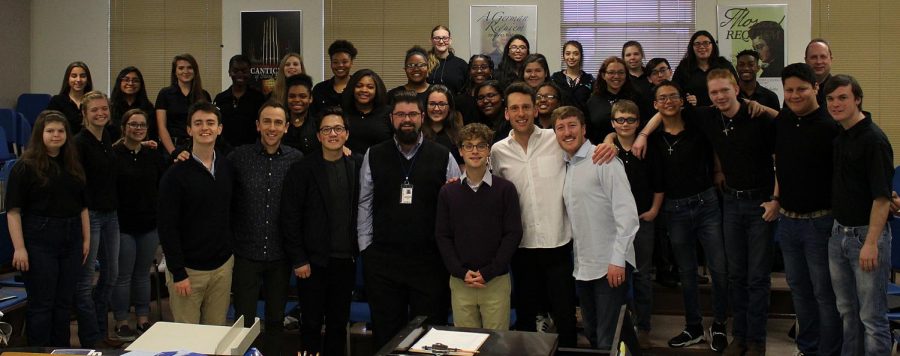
[[366, 185], [602, 213]]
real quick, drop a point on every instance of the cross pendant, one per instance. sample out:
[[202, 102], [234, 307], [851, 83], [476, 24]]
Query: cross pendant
[[671, 150], [726, 131]]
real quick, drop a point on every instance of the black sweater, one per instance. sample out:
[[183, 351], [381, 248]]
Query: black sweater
[[138, 187], [194, 216]]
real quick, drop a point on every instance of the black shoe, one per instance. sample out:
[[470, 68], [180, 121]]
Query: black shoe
[[124, 333], [687, 337], [142, 328], [718, 337]]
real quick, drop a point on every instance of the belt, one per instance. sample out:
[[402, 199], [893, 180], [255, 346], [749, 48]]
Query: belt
[[811, 215], [749, 194]]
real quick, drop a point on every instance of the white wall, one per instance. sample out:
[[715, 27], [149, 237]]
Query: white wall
[[64, 31], [313, 31], [548, 41], [798, 29]]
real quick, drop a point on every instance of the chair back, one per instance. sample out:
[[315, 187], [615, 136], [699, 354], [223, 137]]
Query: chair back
[[31, 104]]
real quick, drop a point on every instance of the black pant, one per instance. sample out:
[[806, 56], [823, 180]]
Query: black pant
[[403, 285], [274, 276], [545, 274], [327, 294]]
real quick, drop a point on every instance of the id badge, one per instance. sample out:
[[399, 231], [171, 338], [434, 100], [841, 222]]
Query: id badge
[[406, 193]]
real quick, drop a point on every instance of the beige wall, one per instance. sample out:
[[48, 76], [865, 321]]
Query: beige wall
[[312, 31], [548, 41], [15, 47], [64, 31]]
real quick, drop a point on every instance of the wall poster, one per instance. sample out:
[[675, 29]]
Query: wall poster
[[490, 26], [757, 27], [266, 36]]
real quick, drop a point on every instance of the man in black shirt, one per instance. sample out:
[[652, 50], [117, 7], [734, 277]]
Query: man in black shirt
[[259, 256], [803, 160], [239, 104], [747, 66], [318, 222], [194, 224], [859, 251]]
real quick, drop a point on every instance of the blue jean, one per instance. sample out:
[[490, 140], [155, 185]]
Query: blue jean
[[693, 219], [54, 259], [804, 245], [136, 254], [600, 305], [643, 285], [861, 296], [748, 242], [92, 305]]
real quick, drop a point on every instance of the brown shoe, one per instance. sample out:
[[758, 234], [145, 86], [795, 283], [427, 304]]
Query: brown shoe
[[756, 348], [737, 347], [644, 342]]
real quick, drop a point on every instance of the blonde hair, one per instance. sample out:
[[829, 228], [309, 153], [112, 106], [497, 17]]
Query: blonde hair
[[278, 92], [721, 73], [92, 95], [433, 59]]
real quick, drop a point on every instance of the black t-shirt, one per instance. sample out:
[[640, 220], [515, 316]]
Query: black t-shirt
[[304, 137], [467, 107], [367, 130], [443, 138], [339, 212], [119, 109], [137, 183], [645, 176], [763, 96], [239, 115], [803, 159], [324, 96], [99, 165], [745, 152], [599, 109], [693, 80], [863, 171], [687, 159], [578, 91], [69, 108], [176, 106], [62, 196]]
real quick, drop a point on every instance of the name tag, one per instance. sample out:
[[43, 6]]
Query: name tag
[[406, 193]]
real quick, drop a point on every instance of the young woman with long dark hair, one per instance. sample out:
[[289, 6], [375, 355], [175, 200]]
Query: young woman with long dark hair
[[172, 103], [129, 92], [442, 122], [573, 79], [75, 83], [366, 109], [702, 55]]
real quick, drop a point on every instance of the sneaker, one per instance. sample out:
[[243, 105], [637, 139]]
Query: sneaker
[[756, 348], [719, 340], [687, 337], [737, 347], [124, 333], [644, 341], [544, 324], [291, 323]]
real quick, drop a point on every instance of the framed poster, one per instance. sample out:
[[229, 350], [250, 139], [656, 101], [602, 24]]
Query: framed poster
[[266, 36], [757, 27], [490, 26]]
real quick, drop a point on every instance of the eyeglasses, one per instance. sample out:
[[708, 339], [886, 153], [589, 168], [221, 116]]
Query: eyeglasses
[[329, 129], [622, 120], [661, 71], [131, 80], [702, 44], [441, 39], [416, 65], [438, 104], [482, 67], [518, 48], [468, 147], [488, 96], [615, 73], [412, 115], [137, 126], [546, 97], [665, 98]]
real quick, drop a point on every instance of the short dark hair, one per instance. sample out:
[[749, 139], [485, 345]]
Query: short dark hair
[[563, 112], [406, 96], [518, 87], [841, 80], [339, 46], [748, 52], [238, 58], [333, 111], [203, 106], [666, 83], [299, 79], [655, 62], [800, 71], [272, 103]]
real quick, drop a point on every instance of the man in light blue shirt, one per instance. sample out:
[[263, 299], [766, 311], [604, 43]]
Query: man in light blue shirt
[[604, 221]]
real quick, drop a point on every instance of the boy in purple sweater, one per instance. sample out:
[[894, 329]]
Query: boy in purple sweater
[[478, 229]]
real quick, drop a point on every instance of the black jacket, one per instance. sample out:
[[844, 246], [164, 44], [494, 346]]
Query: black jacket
[[305, 225]]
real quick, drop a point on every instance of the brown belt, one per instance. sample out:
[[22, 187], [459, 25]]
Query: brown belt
[[811, 215]]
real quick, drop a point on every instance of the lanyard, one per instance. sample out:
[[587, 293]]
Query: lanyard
[[411, 165]]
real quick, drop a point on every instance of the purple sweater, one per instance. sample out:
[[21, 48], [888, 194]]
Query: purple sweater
[[478, 231]]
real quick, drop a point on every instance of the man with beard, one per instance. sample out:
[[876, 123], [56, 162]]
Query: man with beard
[[399, 184], [747, 66]]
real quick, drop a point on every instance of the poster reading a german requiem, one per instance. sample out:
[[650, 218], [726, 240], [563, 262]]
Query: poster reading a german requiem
[[490, 26], [757, 27], [266, 36]]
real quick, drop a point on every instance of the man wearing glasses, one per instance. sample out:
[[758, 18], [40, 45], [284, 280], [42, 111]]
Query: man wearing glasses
[[318, 215], [399, 184], [478, 231]]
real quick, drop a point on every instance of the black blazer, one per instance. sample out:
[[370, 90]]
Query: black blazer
[[305, 223]]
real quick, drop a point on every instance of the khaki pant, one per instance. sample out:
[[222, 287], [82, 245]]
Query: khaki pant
[[486, 307], [209, 299]]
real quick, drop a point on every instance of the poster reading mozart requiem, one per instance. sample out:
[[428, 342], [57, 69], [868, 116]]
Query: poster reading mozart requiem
[[266, 36], [760, 28], [490, 26]]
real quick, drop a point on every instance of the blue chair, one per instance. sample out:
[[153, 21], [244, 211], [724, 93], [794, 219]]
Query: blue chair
[[8, 120], [31, 105], [5, 154], [23, 134]]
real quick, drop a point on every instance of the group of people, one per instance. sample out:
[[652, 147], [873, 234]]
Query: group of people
[[457, 188]]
